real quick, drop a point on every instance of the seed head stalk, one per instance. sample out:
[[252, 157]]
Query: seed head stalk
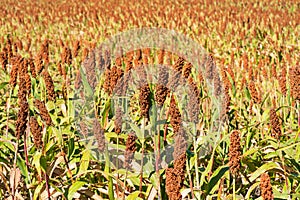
[[157, 153], [234, 189], [15, 166], [196, 156], [142, 160], [7, 111], [190, 178]]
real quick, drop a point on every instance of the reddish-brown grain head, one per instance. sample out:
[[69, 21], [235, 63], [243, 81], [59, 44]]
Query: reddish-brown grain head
[[266, 187], [130, 149], [234, 152], [275, 124], [36, 131]]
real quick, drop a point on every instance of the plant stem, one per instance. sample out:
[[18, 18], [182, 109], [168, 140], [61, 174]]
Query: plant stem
[[47, 185], [196, 156], [234, 189], [141, 173], [107, 171], [142, 161], [166, 126], [117, 166], [7, 111], [157, 155], [26, 158], [15, 165], [190, 178]]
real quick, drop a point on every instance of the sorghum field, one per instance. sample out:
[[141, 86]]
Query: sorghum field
[[71, 128]]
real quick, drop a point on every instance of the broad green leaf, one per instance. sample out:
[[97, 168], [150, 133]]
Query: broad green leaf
[[249, 152], [37, 190], [216, 177], [266, 167], [71, 148], [85, 82], [137, 130], [22, 165], [251, 188], [58, 135], [134, 196], [74, 188], [85, 160], [43, 162], [3, 84], [36, 162], [50, 105]]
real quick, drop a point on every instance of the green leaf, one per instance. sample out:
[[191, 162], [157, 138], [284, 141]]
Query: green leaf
[[37, 190], [105, 111], [3, 84], [266, 167], [22, 165], [137, 130], [74, 188], [85, 160], [43, 162], [86, 84], [249, 152], [252, 187], [36, 162], [58, 134], [134, 196], [216, 177], [71, 148], [50, 105]]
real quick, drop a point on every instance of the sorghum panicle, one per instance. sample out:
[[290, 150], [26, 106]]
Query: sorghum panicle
[[282, 80], [254, 93], [14, 71], [144, 100], [172, 185], [36, 131], [161, 88], [294, 75], [89, 64], [118, 120], [193, 106], [178, 66], [99, 135], [130, 149], [43, 112], [3, 60], [32, 67], [76, 48], [49, 85], [66, 56], [234, 152], [275, 124], [266, 187], [187, 68], [21, 123], [175, 116]]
